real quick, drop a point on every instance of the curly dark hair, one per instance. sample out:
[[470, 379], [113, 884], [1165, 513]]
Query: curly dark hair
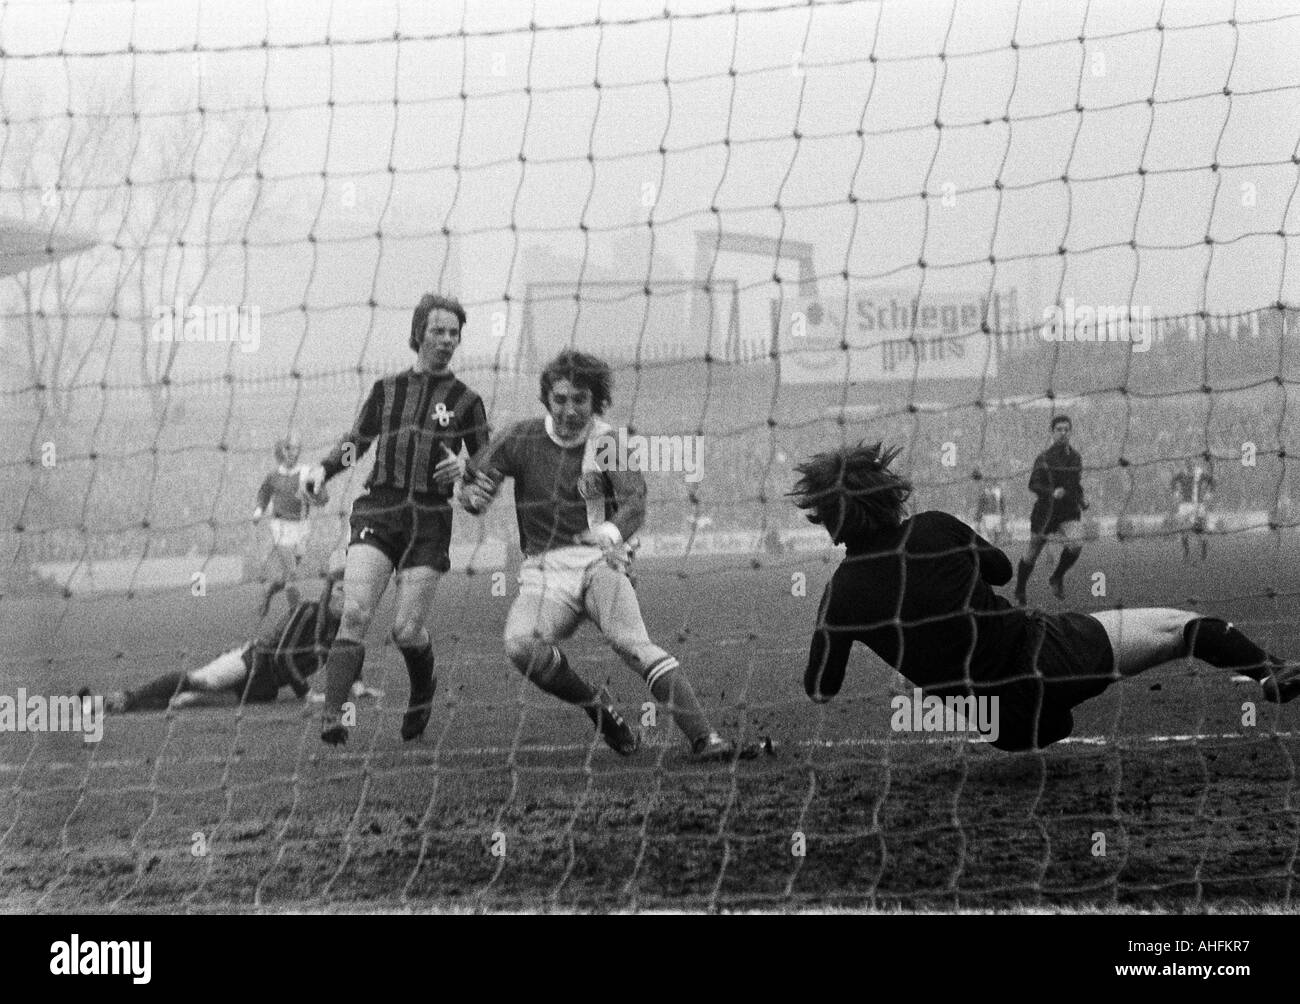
[[430, 302], [581, 370], [852, 492]]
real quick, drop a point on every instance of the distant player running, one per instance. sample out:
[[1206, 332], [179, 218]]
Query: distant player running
[[282, 499], [418, 422], [991, 513], [1192, 489], [284, 655], [918, 592], [575, 519], [1057, 511]]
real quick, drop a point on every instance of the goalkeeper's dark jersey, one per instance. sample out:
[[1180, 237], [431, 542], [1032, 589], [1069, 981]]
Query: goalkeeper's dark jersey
[[921, 599], [409, 418], [293, 649]]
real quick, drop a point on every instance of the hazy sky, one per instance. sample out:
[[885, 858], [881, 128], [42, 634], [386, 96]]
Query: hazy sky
[[368, 132]]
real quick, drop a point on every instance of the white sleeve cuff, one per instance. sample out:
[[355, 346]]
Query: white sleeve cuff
[[609, 532]]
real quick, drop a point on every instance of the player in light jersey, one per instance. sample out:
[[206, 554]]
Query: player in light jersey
[[991, 513], [1192, 489], [280, 497], [576, 518]]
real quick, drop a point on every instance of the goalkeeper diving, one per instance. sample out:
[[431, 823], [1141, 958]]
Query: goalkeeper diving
[[918, 591]]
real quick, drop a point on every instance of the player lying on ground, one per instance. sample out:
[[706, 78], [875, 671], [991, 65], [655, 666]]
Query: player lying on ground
[[282, 499], [575, 520], [285, 655], [918, 592], [1058, 509], [417, 421]]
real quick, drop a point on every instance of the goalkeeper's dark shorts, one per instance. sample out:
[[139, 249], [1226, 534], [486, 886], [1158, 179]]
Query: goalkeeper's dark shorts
[[411, 531], [261, 686], [1065, 660]]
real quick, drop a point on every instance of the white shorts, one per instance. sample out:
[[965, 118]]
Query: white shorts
[[1191, 513], [291, 534], [561, 574], [991, 524], [225, 672]]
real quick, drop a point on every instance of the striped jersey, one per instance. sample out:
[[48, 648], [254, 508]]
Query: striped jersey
[[294, 648], [409, 418], [279, 495]]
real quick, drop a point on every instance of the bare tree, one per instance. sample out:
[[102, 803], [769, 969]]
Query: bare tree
[[164, 195]]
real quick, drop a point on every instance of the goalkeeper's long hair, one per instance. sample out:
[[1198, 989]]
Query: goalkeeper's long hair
[[852, 492]]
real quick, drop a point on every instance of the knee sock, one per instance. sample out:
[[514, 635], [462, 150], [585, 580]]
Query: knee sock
[[1220, 644], [1023, 571], [156, 694], [671, 687], [557, 678], [419, 668], [1069, 556], [341, 668]]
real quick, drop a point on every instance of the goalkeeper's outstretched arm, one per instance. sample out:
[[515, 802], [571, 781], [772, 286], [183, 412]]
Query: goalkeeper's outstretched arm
[[828, 656]]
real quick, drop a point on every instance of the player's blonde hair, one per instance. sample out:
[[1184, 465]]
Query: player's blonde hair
[[430, 302]]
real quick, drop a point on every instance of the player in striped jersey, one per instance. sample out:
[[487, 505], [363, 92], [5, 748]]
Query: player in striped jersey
[[575, 519], [286, 654], [282, 499], [417, 421], [1192, 489]]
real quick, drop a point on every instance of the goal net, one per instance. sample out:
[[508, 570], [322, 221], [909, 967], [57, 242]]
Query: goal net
[[788, 226]]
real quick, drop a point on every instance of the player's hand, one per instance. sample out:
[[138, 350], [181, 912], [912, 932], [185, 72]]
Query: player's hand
[[311, 479], [617, 556], [474, 499], [450, 469], [257, 515], [1058, 493]]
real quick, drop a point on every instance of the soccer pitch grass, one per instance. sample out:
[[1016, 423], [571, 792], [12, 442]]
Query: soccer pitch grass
[[1162, 800]]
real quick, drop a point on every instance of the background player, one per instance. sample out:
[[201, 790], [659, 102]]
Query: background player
[[282, 499], [1192, 489], [284, 655], [991, 512], [1058, 508], [417, 421], [575, 520], [919, 593]]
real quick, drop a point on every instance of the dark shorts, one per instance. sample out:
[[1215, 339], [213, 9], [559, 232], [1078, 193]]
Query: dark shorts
[[1065, 660], [261, 686], [412, 533], [1048, 517]]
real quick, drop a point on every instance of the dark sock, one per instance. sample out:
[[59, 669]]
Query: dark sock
[[1023, 571], [673, 690], [156, 694], [419, 667], [1068, 557], [559, 680], [341, 668], [1220, 644]]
